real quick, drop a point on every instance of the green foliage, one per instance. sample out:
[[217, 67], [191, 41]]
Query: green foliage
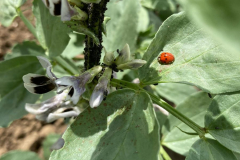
[[122, 127], [52, 34], [26, 48], [209, 149], [174, 92], [23, 155], [222, 120], [198, 59], [122, 28], [8, 10], [12, 92], [75, 46], [220, 18], [47, 144], [194, 108]]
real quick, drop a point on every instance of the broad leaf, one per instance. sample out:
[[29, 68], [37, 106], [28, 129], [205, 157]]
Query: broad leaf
[[174, 92], [220, 18], [222, 120], [23, 155], [122, 127], [75, 46], [123, 26], [8, 10], [26, 48], [198, 59], [47, 144], [209, 149], [194, 108], [12, 92], [159, 5], [51, 32]]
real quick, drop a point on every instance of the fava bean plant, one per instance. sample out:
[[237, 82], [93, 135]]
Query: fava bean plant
[[130, 77]]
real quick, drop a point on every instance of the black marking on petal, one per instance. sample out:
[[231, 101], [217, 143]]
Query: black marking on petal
[[44, 89], [39, 80], [71, 92], [57, 8], [67, 110], [47, 3]]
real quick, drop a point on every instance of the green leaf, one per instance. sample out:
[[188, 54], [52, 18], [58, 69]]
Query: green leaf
[[220, 18], [222, 120], [143, 19], [8, 10], [52, 34], [159, 5], [12, 92], [23, 155], [194, 108], [198, 59], [47, 144], [122, 127], [75, 46], [209, 149], [174, 92], [26, 48], [123, 26]]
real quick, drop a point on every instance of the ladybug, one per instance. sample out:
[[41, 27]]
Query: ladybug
[[166, 58]]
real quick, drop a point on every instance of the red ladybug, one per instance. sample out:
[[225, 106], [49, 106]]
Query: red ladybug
[[166, 58]]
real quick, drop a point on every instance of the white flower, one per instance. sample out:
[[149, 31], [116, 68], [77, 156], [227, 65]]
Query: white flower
[[60, 8], [40, 84], [53, 108], [77, 84], [100, 90]]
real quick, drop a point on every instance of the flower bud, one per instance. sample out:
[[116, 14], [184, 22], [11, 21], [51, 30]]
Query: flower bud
[[134, 64], [100, 89], [124, 55], [82, 16], [108, 58], [93, 71]]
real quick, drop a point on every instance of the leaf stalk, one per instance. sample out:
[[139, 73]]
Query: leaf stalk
[[199, 130]]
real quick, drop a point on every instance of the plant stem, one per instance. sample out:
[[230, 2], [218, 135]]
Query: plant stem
[[92, 52], [27, 23], [66, 65], [164, 154], [163, 104]]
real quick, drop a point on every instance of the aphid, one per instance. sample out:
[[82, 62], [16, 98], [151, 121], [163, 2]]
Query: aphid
[[166, 58]]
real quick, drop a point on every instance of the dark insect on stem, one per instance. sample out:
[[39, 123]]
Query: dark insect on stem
[[209, 95]]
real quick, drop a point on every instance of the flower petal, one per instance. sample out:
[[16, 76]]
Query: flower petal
[[40, 89], [63, 113], [66, 80], [67, 11], [77, 92], [96, 98], [108, 58], [44, 62], [124, 55], [47, 65], [35, 79], [55, 7]]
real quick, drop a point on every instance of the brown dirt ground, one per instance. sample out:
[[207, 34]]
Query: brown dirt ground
[[17, 32]]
